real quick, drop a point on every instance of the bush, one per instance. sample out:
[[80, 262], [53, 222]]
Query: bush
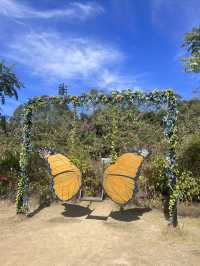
[[153, 180], [186, 187], [156, 182], [91, 170], [9, 171], [189, 156]]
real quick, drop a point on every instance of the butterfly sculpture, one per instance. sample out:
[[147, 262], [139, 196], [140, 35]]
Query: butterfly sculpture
[[119, 180], [66, 176]]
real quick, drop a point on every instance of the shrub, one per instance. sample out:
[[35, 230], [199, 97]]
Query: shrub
[[153, 180], [156, 182], [9, 170], [186, 187], [189, 156], [91, 170]]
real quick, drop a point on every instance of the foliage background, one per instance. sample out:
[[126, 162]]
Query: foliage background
[[136, 127]]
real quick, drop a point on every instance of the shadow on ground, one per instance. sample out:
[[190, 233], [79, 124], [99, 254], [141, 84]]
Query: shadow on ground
[[129, 215], [40, 208], [72, 210], [96, 217]]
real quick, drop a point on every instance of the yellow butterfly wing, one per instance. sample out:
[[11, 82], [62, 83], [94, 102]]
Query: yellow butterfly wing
[[119, 177], [67, 177]]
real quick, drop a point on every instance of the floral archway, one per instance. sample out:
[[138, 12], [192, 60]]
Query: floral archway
[[156, 97]]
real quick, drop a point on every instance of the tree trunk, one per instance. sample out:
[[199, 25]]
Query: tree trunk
[[173, 218], [166, 206]]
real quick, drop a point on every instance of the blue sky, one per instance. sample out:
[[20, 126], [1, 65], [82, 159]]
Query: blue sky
[[103, 44]]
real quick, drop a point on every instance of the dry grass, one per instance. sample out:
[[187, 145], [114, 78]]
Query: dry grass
[[189, 210], [58, 237]]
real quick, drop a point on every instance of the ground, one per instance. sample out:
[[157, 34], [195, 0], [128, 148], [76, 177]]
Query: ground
[[59, 236]]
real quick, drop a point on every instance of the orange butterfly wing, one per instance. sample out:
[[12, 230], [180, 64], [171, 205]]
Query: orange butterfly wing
[[67, 177], [119, 177]]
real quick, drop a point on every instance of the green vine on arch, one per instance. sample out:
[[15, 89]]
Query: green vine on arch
[[73, 131], [22, 192], [114, 132]]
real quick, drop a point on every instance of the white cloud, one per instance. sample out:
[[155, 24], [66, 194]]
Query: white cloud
[[56, 58], [15, 9], [114, 79], [49, 55]]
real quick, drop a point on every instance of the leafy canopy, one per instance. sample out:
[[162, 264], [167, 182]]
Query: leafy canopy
[[9, 83], [192, 45]]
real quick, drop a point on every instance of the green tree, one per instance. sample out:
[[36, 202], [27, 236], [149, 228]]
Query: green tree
[[192, 45], [9, 83]]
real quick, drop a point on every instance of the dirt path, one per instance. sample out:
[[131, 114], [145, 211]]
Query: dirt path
[[56, 237]]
